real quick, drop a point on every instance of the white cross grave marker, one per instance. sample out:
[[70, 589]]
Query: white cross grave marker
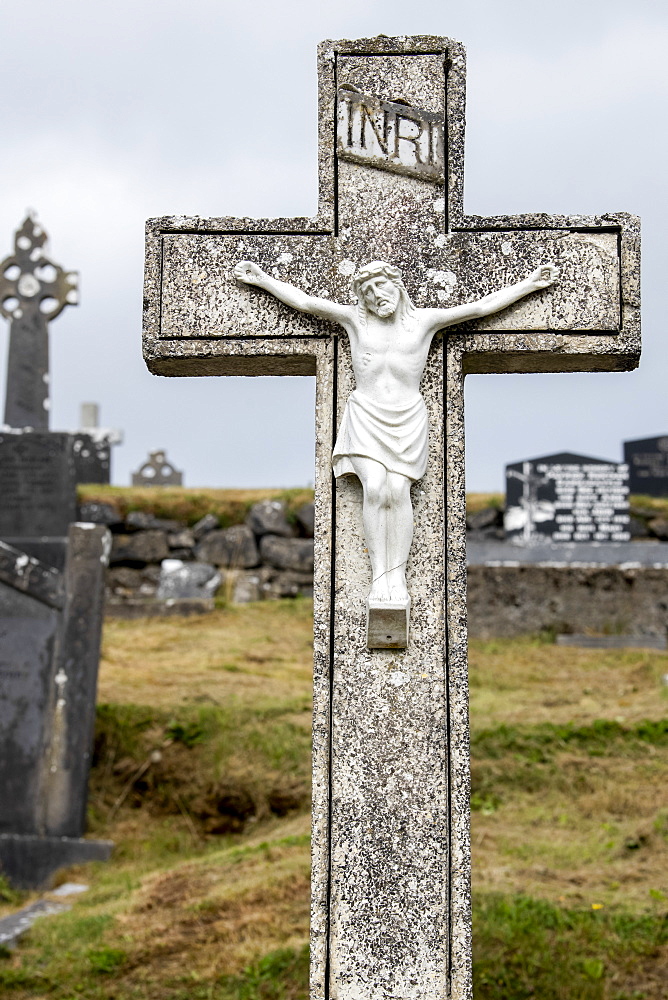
[[391, 865]]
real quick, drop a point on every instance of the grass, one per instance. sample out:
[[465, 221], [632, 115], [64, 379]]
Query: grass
[[201, 776], [232, 505], [189, 505]]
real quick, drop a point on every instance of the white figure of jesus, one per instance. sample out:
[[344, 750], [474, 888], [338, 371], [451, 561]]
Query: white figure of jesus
[[383, 437]]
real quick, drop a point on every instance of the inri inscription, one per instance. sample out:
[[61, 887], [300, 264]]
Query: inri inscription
[[390, 135]]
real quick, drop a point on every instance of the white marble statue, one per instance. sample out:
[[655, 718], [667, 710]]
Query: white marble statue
[[383, 435]]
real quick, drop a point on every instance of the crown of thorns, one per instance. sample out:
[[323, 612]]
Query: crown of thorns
[[376, 269]]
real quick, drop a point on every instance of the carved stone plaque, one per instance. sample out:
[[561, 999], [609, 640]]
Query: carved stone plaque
[[390, 135]]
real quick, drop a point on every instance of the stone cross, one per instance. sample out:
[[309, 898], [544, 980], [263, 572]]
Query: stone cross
[[157, 470], [390, 845], [33, 290], [530, 481]]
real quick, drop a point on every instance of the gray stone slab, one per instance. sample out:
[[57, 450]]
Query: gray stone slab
[[48, 674], [613, 641], [52, 551], [30, 862], [16, 924], [28, 634], [491, 553], [21, 572], [71, 723], [133, 608], [505, 600]]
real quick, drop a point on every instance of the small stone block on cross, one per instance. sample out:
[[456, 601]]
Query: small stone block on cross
[[387, 624]]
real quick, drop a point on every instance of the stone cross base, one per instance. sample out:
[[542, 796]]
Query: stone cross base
[[29, 862]]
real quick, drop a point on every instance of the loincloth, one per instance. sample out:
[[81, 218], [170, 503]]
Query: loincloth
[[397, 437]]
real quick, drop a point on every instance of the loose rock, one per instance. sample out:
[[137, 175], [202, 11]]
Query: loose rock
[[139, 549], [185, 580], [268, 517], [288, 553], [230, 547]]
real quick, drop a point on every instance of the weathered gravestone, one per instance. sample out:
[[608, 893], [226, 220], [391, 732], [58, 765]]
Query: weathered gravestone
[[567, 498], [50, 626], [390, 882], [647, 460], [157, 470]]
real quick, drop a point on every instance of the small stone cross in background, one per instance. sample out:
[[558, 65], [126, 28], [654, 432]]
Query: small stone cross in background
[[390, 847]]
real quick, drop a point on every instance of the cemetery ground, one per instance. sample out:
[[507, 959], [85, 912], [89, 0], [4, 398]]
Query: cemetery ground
[[201, 777]]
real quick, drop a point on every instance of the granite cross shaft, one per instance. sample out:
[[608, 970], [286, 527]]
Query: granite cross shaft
[[33, 290], [390, 883]]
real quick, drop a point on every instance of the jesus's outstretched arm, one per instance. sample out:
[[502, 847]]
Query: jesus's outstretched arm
[[250, 274], [542, 277]]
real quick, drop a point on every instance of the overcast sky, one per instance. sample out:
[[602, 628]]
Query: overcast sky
[[115, 112]]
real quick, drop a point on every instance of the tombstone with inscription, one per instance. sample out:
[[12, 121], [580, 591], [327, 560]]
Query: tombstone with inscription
[[391, 861], [567, 498], [647, 459], [38, 497], [157, 470]]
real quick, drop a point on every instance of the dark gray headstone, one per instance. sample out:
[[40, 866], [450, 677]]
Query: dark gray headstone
[[567, 498], [92, 459], [50, 628], [38, 476], [28, 631], [647, 459]]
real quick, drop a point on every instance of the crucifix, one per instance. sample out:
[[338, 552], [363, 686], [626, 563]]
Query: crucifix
[[390, 910], [33, 290]]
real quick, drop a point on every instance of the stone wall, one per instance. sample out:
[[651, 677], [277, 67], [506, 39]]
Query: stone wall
[[269, 556], [520, 600]]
